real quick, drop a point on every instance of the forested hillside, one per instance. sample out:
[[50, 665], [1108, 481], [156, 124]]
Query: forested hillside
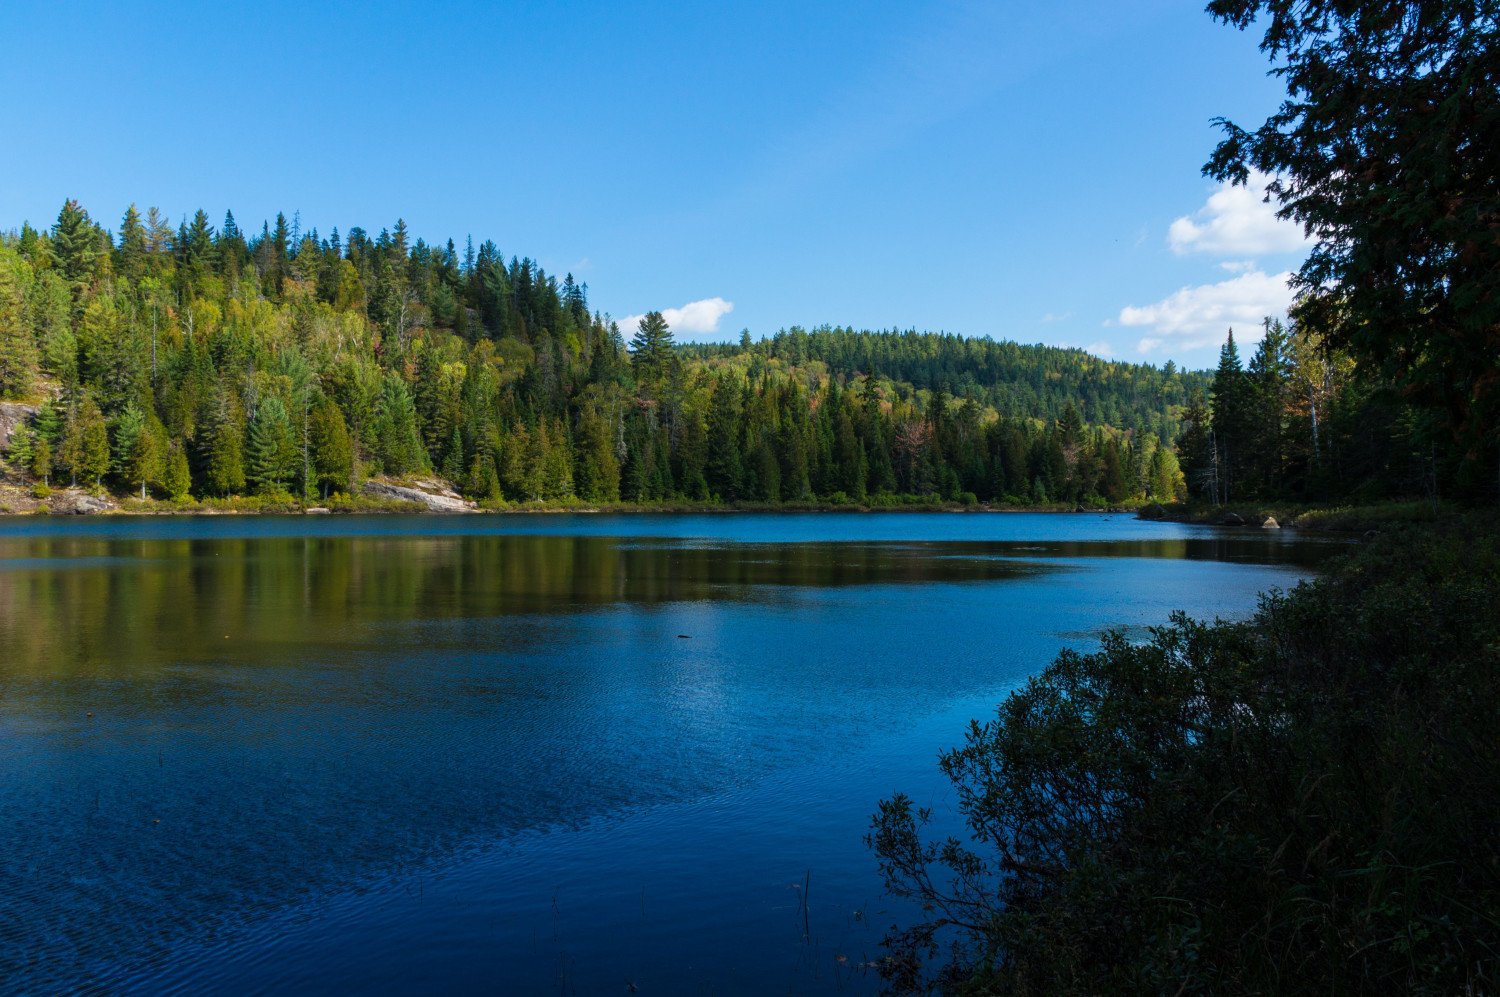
[[1016, 380], [210, 362]]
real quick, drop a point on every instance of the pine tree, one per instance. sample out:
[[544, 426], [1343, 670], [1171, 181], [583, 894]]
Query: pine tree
[[21, 450], [140, 457], [271, 453], [130, 258], [179, 478], [398, 437], [1233, 420], [85, 450], [76, 242], [18, 353], [332, 448], [1269, 390], [725, 467], [651, 349], [224, 466], [1195, 448]]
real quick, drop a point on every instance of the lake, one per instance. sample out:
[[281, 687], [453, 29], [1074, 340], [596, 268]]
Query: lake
[[550, 754]]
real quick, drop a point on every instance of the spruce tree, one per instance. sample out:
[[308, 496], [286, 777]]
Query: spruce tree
[[1233, 421], [18, 352], [271, 453], [651, 349], [1195, 449], [725, 466], [224, 466], [332, 448], [130, 258], [178, 480], [76, 243]]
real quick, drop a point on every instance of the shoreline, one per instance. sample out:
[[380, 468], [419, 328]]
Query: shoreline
[[1312, 517]]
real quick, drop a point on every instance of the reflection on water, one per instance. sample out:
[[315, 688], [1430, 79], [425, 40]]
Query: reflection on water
[[199, 733]]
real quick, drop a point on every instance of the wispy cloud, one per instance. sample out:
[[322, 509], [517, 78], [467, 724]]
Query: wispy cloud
[[1198, 316], [1236, 221], [1051, 317], [694, 317]]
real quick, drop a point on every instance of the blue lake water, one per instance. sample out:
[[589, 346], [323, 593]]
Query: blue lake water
[[549, 754]]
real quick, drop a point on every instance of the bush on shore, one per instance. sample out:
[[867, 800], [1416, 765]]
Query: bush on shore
[[1305, 802]]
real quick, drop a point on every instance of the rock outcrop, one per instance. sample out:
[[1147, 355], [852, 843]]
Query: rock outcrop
[[77, 502], [1231, 519], [1154, 511], [12, 416], [437, 496], [1270, 524]]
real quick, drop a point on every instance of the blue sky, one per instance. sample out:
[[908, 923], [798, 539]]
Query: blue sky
[[995, 169]]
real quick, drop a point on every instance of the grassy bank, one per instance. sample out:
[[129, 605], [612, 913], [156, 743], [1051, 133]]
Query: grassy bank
[[1305, 516]]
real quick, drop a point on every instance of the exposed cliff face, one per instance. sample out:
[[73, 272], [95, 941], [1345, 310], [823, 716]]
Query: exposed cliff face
[[12, 415], [436, 495]]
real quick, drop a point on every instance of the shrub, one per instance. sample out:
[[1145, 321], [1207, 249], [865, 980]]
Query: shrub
[[1305, 802]]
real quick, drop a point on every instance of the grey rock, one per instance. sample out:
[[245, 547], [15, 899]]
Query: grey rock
[[1270, 524], [12, 416], [1154, 511], [76, 502], [435, 495], [1232, 519]]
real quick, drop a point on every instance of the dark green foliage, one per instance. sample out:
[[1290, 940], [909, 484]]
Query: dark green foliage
[[1016, 380], [651, 349], [178, 480], [18, 350], [76, 244], [332, 448], [1386, 149], [1304, 803], [271, 455], [85, 443], [222, 456], [140, 449], [724, 468]]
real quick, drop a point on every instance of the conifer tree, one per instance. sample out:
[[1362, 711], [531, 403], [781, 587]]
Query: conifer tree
[[1233, 420], [651, 349], [271, 454], [140, 452], [85, 449], [178, 480], [76, 243], [224, 464], [332, 448], [131, 255], [725, 468], [18, 352], [1195, 450]]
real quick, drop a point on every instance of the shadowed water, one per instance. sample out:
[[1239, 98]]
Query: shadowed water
[[541, 753]]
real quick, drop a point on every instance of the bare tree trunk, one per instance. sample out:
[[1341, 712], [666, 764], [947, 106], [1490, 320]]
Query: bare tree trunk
[[1312, 402]]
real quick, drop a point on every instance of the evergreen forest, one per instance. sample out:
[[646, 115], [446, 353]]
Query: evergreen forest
[[203, 362]]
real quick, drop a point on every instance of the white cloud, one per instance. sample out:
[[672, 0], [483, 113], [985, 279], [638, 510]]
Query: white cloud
[[1236, 221], [693, 317], [1149, 344], [1051, 317], [1237, 266], [1099, 348], [1198, 316]]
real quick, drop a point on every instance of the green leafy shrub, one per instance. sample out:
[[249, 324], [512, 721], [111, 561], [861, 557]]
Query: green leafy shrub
[[1306, 802]]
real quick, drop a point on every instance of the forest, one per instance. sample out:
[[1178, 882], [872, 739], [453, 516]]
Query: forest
[[198, 362]]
